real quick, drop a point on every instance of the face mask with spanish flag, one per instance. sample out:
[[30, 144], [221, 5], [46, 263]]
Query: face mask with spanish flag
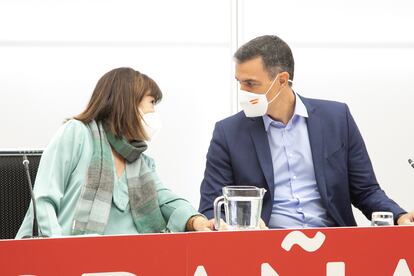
[[256, 104]]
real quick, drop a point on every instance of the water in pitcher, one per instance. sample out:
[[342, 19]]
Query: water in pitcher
[[243, 212]]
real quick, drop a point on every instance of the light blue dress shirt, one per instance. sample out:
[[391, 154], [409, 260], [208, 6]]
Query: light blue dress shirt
[[297, 202]]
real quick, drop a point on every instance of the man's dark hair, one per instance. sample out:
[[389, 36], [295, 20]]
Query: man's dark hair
[[276, 54]]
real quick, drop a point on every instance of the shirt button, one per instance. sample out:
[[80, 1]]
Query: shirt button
[[294, 177], [299, 209]]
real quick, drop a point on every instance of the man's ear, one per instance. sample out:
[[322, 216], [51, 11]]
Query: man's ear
[[283, 78]]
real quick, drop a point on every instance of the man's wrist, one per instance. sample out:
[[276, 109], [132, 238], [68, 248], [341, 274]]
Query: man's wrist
[[398, 217]]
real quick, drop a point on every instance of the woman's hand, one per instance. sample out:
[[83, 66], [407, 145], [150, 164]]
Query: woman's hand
[[200, 223], [224, 226]]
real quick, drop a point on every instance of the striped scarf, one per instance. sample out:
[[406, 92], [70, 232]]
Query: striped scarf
[[94, 205]]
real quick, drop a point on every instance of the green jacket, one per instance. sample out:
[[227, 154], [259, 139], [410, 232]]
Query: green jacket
[[61, 174]]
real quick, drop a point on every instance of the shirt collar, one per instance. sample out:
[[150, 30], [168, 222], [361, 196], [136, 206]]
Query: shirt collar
[[300, 110]]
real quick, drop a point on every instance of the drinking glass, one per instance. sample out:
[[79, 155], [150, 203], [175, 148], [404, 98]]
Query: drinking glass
[[382, 219]]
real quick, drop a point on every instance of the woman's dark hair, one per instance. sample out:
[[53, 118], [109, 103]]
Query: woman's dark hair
[[115, 101]]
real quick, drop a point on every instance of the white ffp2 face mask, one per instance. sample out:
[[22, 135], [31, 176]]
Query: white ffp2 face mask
[[254, 104], [152, 124]]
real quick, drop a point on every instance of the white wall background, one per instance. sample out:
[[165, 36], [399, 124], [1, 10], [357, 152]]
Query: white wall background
[[52, 53], [362, 52]]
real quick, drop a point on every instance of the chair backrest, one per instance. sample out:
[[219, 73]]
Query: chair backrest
[[14, 189]]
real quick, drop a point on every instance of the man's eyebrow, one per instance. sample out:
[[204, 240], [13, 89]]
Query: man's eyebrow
[[248, 80]]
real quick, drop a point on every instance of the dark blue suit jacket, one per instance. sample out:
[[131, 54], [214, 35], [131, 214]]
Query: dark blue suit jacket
[[239, 154]]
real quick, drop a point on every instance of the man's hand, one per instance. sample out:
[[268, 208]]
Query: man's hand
[[262, 225], [406, 219]]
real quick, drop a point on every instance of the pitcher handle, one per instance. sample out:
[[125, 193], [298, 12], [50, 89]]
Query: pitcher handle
[[218, 202]]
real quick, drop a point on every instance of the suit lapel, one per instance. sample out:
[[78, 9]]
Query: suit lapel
[[316, 140], [261, 144]]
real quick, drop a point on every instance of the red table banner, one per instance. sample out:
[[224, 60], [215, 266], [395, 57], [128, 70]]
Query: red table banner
[[380, 251]]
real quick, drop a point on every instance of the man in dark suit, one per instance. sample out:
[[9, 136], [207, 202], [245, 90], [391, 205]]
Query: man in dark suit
[[308, 154]]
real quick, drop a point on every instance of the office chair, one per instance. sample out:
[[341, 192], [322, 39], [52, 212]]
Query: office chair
[[14, 189]]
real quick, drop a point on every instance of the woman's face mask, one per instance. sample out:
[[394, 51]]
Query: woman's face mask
[[152, 124], [151, 121]]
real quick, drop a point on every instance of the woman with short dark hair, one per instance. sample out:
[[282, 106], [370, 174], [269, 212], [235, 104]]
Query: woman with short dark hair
[[94, 178]]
